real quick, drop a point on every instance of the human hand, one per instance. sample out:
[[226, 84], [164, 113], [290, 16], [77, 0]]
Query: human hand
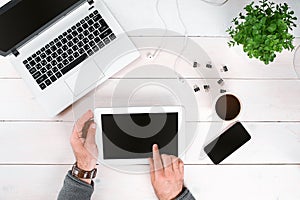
[[83, 143], [167, 174]]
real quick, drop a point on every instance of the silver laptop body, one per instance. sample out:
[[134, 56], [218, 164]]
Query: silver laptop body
[[68, 59]]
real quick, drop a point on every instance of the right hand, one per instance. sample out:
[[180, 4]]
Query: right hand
[[167, 174]]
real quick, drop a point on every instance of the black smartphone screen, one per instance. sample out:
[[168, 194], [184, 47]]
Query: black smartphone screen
[[228, 142]]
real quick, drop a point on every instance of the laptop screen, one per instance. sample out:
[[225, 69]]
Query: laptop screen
[[22, 19]]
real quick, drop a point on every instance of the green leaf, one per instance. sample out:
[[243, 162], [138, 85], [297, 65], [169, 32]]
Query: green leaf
[[272, 28], [248, 8], [263, 30]]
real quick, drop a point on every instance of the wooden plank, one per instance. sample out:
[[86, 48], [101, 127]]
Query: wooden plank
[[243, 182], [201, 19], [36, 143], [18, 102], [216, 50], [276, 100], [270, 143], [48, 143], [239, 65], [246, 182], [3, 2], [7, 69]]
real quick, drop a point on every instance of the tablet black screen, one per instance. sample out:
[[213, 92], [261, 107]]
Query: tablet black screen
[[127, 136]]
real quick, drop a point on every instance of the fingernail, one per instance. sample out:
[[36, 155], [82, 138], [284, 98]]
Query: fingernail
[[93, 125], [155, 146]]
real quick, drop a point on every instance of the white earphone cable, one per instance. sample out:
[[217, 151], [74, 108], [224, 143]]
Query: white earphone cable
[[215, 4], [294, 61], [157, 51], [185, 38]]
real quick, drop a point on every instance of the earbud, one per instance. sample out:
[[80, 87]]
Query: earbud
[[180, 79], [150, 56], [153, 55]]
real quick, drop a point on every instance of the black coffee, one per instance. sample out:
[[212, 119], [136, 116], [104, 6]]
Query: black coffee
[[228, 107]]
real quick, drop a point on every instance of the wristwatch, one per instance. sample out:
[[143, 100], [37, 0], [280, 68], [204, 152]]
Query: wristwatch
[[80, 173]]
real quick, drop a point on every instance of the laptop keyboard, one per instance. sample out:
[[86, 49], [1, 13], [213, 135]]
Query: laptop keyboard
[[69, 49]]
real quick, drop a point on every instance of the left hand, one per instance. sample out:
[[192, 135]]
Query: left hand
[[83, 143]]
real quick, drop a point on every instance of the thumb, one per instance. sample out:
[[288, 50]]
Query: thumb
[[91, 134]]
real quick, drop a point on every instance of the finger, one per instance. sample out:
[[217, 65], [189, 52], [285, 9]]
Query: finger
[[158, 166], [91, 134], [181, 167], [175, 163], [85, 129], [76, 142], [83, 119], [167, 162], [152, 172], [75, 139]]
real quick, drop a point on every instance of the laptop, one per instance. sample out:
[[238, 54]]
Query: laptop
[[63, 48]]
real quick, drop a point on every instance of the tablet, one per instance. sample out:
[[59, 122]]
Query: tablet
[[126, 135]]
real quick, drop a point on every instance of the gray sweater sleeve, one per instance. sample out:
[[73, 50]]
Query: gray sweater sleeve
[[185, 195], [75, 189]]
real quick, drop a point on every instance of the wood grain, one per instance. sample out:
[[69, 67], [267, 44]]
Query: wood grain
[[205, 182], [201, 19], [262, 100], [35, 153], [239, 65], [48, 143]]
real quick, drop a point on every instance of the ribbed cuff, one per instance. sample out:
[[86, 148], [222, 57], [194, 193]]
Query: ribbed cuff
[[75, 189], [80, 181], [185, 195]]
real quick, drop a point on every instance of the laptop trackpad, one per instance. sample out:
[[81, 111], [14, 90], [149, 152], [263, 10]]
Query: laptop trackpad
[[87, 76]]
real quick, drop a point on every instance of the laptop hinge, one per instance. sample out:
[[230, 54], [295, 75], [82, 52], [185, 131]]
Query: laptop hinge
[[90, 1], [15, 52]]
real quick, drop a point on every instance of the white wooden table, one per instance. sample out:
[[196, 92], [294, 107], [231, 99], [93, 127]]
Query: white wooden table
[[35, 153]]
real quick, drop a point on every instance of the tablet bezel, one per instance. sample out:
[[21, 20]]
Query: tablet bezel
[[133, 110]]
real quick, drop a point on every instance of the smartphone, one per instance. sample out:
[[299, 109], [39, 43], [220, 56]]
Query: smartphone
[[227, 143]]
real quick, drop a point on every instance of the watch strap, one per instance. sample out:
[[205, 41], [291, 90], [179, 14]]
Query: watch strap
[[80, 173]]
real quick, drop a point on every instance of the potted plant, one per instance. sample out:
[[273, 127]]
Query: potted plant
[[263, 30]]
